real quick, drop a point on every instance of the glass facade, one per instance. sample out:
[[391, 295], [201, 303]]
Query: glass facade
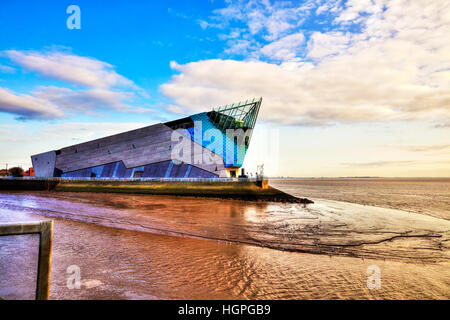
[[164, 169], [228, 120]]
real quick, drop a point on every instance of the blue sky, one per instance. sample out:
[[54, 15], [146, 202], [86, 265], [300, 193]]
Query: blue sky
[[138, 40], [362, 85]]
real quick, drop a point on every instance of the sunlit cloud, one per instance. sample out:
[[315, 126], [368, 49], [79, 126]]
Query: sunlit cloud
[[285, 49], [427, 148], [7, 69], [64, 132], [102, 87], [70, 68], [380, 163], [378, 61], [27, 106]]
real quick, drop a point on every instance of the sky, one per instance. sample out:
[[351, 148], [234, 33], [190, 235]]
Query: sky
[[350, 88]]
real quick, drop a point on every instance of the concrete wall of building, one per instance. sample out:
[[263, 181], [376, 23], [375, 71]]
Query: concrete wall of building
[[44, 164], [134, 148]]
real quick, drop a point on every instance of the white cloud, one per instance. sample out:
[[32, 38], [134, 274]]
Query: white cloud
[[395, 67], [239, 46], [27, 106], [84, 100], [71, 68], [324, 44], [56, 102], [329, 6], [284, 49], [174, 109], [7, 69], [270, 21], [99, 78], [65, 132], [355, 8]]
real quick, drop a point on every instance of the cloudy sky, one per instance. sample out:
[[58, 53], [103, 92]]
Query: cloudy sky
[[350, 88]]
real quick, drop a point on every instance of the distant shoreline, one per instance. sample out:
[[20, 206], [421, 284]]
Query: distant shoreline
[[360, 178]]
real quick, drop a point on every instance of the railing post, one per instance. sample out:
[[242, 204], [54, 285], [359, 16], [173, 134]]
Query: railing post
[[44, 262]]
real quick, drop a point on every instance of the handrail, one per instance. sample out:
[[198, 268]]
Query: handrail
[[45, 231]]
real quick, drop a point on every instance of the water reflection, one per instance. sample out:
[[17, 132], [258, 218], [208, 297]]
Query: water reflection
[[18, 266], [326, 227], [132, 247]]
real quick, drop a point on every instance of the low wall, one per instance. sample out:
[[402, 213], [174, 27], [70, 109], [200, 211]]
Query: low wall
[[228, 189], [27, 184]]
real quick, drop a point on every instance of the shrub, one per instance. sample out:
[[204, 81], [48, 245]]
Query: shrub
[[16, 172]]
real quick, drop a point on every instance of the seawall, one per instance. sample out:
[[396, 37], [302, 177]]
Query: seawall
[[239, 190]]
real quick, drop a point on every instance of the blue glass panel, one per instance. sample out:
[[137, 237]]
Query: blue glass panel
[[161, 169], [200, 173], [121, 169], [115, 169], [188, 171], [179, 170], [148, 171], [169, 169], [230, 153], [97, 170], [108, 170]]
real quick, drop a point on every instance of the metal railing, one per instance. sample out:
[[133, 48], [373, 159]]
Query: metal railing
[[45, 231]]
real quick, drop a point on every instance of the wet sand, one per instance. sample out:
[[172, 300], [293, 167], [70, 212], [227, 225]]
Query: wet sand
[[159, 247]]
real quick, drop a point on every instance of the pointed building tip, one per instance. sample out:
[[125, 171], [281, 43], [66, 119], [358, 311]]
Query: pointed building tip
[[239, 104]]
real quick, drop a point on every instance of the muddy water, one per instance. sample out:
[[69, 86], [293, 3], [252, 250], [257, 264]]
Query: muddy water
[[150, 247], [429, 196]]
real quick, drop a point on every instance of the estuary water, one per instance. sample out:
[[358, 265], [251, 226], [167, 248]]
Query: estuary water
[[429, 196], [161, 247]]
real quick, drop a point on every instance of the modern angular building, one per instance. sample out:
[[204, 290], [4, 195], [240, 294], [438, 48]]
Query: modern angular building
[[205, 145]]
